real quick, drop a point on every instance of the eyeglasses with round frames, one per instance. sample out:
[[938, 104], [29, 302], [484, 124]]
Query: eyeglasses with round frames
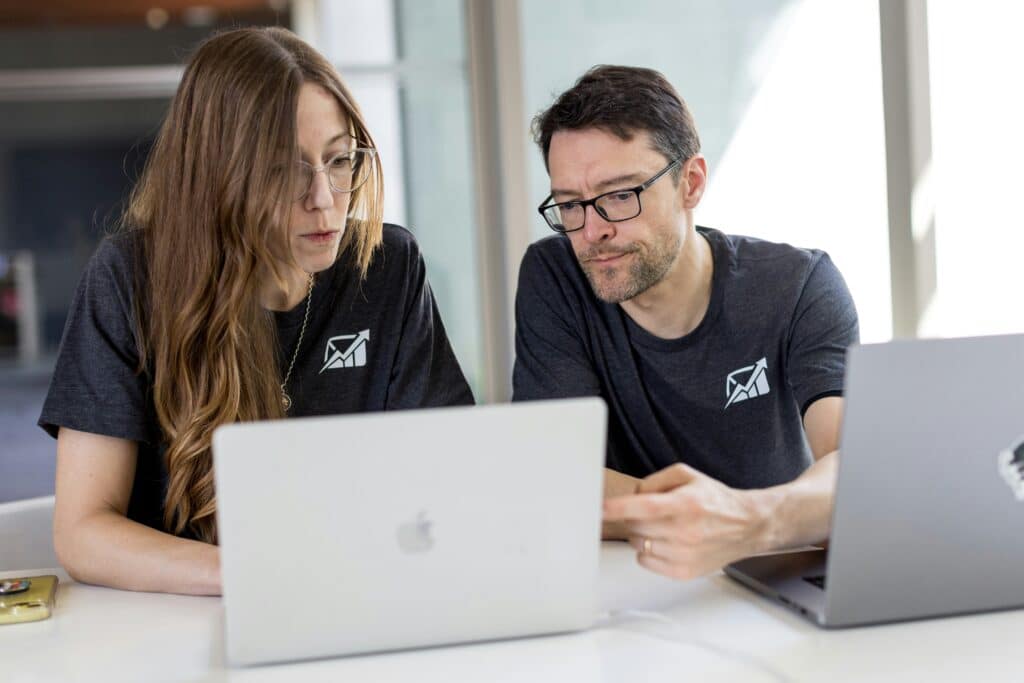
[[346, 172]]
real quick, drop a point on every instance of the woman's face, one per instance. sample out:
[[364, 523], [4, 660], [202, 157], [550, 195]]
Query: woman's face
[[318, 217]]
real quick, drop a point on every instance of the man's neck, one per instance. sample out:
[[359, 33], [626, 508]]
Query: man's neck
[[675, 306]]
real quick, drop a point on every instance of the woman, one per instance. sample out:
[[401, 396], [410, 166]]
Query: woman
[[253, 279]]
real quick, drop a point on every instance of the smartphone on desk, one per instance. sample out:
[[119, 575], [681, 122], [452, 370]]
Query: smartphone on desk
[[30, 598]]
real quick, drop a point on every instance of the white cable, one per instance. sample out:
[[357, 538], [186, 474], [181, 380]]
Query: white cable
[[616, 619]]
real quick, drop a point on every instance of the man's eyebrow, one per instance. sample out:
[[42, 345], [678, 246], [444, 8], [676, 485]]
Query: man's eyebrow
[[618, 182]]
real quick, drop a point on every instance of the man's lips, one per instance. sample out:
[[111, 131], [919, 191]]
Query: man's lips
[[606, 258]]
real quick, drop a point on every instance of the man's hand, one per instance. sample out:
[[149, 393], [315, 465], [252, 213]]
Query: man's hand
[[684, 524], [617, 484]]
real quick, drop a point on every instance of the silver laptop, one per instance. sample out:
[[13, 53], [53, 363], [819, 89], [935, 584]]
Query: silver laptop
[[384, 531], [929, 509]]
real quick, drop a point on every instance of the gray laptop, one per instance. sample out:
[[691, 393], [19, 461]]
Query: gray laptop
[[383, 531], [929, 509]]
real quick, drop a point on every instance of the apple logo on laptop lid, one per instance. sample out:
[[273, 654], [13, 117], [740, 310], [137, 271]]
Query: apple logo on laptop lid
[[1011, 466], [415, 536]]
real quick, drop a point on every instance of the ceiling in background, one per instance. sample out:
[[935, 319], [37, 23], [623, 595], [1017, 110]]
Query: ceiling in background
[[154, 13]]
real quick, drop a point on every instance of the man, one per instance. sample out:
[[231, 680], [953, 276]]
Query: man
[[721, 358]]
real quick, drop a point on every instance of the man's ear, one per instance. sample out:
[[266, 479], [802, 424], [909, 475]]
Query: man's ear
[[693, 181]]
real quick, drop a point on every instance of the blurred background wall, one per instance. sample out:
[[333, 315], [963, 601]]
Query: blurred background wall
[[886, 133]]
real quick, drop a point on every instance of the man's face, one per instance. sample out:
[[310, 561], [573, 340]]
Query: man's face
[[624, 259]]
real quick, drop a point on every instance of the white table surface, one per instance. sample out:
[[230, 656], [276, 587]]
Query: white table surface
[[710, 629]]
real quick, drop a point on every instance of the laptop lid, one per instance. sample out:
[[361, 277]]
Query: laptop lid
[[393, 530], [927, 518]]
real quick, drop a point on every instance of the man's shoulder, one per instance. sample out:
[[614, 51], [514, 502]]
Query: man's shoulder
[[552, 244], [551, 281], [551, 256], [746, 254]]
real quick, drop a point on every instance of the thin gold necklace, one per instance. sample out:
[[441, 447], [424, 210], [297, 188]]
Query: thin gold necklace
[[286, 400]]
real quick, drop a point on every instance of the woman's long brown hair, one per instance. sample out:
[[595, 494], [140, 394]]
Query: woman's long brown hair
[[212, 209]]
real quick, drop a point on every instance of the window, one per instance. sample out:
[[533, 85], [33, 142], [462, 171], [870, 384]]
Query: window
[[788, 102], [406, 65]]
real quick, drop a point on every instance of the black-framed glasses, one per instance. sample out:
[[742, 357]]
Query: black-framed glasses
[[346, 171], [614, 206]]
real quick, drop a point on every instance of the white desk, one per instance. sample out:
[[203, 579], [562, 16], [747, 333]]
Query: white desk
[[706, 630]]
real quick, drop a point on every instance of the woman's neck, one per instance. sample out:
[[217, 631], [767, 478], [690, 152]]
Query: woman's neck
[[273, 298]]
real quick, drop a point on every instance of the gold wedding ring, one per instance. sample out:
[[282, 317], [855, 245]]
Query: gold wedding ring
[[646, 547]]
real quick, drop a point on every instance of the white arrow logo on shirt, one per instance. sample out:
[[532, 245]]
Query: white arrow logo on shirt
[[756, 384], [353, 355]]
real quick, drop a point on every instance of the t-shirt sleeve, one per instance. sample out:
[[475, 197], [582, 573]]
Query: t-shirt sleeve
[[551, 358], [824, 325], [426, 372], [96, 386]]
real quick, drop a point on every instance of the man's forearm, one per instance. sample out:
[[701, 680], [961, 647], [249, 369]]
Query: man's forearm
[[800, 512]]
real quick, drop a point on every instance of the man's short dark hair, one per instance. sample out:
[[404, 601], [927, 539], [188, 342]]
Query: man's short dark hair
[[622, 100]]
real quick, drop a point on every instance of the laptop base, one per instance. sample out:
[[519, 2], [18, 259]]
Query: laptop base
[[793, 579]]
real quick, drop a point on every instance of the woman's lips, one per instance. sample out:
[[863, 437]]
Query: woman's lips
[[320, 237]]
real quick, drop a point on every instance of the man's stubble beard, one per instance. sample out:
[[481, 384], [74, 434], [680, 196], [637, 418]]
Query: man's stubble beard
[[646, 271]]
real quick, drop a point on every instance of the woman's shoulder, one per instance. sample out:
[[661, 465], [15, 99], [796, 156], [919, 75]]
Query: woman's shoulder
[[115, 259], [395, 238], [398, 252], [396, 262]]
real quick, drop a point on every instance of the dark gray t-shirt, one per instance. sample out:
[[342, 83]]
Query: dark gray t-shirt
[[375, 345], [728, 398]]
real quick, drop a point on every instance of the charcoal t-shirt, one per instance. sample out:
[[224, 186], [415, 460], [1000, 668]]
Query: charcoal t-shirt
[[729, 397], [373, 345]]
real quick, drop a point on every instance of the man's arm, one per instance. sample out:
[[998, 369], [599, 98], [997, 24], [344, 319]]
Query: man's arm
[[801, 511], [685, 524]]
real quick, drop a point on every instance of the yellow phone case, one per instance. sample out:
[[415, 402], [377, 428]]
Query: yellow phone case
[[34, 604]]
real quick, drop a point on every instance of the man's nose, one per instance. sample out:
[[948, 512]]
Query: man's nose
[[595, 227]]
